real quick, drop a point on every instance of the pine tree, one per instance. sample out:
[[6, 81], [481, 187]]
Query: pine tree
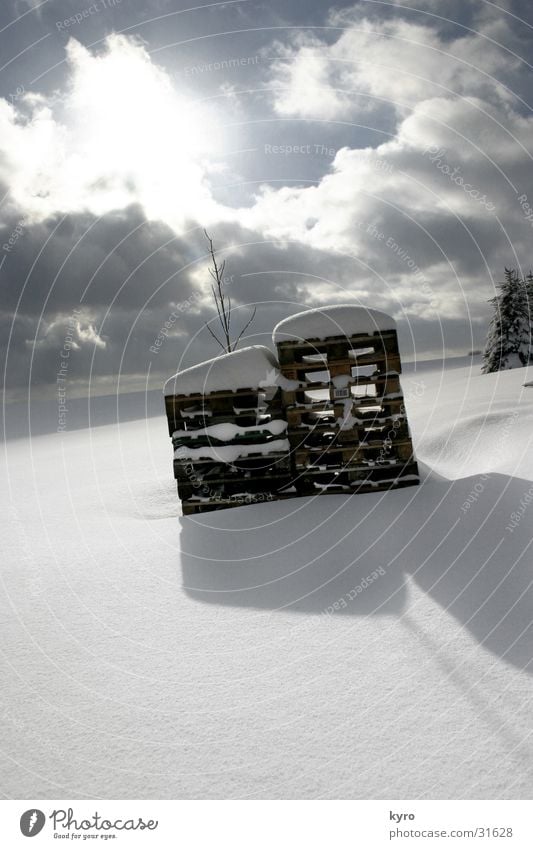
[[529, 297], [508, 339]]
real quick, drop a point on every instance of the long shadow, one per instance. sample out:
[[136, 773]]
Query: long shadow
[[316, 555], [483, 573]]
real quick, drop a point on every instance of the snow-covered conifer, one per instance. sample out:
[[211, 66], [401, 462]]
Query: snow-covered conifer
[[529, 297], [508, 338]]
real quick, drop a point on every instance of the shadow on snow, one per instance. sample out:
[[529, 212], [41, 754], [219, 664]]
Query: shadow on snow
[[315, 555]]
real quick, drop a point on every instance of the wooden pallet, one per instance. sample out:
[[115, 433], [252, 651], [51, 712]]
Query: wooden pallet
[[337, 431], [342, 453], [224, 488], [323, 410], [350, 459], [203, 440], [243, 407], [221, 493], [386, 364], [358, 478], [193, 507], [306, 398], [338, 348], [207, 483], [370, 431]]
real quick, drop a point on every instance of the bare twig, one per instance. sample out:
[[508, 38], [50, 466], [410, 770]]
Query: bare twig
[[246, 326], [223, 303], [215, 337]]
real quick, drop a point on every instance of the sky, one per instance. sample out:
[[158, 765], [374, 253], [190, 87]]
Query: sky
[[374, 153]]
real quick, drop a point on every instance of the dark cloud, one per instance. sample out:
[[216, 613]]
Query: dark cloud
[[110, 333], [116, 280]]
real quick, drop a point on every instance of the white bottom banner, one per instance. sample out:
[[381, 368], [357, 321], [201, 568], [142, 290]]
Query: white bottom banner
[[204, 824]]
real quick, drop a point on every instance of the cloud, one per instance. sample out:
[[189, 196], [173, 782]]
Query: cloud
[[395, 63], [117, 134], [111, 285], [442, 194], [80, 331], [300, 76], [110, 183], [111, 314]]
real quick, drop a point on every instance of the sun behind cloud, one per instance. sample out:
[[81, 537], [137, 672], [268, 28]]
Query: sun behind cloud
[[119, 133]]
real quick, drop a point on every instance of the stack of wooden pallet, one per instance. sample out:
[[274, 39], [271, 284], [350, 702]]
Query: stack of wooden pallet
[[343, 402], [228, 431]]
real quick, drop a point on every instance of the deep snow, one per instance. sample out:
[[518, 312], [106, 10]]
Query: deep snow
[[243, 653]]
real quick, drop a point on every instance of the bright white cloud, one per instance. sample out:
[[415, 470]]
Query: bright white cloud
[[301, 77], [81, 332], [457, 163], [446, 159], [395, 62], [449, 169], [119, 134]]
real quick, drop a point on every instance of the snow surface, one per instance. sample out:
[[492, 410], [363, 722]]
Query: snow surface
[[246, 653], [339, 320], [242, 369]]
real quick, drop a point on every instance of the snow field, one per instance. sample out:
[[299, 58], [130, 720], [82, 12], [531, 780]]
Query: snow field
[[233, 655]]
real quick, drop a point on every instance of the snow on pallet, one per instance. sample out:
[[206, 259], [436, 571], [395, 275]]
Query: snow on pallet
[[233, 372], [344, 320], [345, 411]]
